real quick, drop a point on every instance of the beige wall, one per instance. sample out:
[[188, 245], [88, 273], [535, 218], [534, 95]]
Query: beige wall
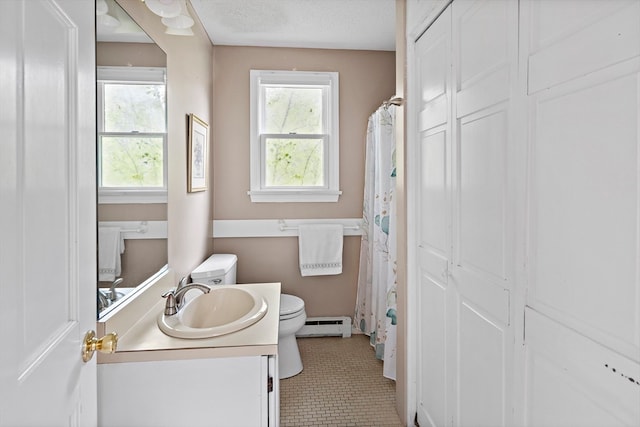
[[130, 54], [401, 204], [366, 79], [142, 257], [189, 89]]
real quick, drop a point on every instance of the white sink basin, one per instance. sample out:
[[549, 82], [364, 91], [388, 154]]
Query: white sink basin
[[224, 310]]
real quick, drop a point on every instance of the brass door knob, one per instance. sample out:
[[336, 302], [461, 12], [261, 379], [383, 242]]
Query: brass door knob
[[106, 344]]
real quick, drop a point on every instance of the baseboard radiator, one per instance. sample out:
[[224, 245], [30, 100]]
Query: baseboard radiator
[[326, 327]]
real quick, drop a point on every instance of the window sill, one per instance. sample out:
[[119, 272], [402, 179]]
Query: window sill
[[294, 196], [131, 197]]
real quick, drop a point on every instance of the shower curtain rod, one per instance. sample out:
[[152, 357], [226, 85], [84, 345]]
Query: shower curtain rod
[[396, 100]]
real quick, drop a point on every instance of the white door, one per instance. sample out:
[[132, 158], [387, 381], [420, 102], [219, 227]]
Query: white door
[[484, 44], [466, 69], [582, 330], [47, 212], [435, 383]]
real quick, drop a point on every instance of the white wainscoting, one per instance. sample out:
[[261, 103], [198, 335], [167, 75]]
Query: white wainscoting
[[278, 227]]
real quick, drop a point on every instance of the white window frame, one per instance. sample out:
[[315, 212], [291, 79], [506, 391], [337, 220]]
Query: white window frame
[[330, 192], [111, 195]]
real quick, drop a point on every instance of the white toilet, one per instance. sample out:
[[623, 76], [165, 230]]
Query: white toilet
[[292, 318], [220, 269]]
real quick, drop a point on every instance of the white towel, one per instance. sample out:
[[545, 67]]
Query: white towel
[[320, 249], [110, 246]]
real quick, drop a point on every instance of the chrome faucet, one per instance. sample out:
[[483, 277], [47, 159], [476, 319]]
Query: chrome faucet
[[175, 297], [112, 294]]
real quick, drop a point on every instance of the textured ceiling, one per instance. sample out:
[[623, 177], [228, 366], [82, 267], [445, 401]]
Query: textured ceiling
[[330, 24]]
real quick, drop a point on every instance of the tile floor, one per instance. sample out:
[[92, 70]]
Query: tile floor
[[341, 385]]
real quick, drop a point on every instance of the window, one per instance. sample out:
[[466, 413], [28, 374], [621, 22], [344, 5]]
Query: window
[[132, 135], [294, 136]]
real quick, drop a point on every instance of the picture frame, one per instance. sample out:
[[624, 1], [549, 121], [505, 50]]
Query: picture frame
[[198, 151]]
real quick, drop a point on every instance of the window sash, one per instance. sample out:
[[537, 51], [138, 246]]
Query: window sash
[[329, 192], [130, 190], [263, 162], [101, 101], [130, 75], [325, 120]]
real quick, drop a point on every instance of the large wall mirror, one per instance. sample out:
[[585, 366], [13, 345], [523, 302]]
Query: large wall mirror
[[132, 148]]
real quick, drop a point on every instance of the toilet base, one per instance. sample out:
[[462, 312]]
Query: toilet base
[[289, 361]]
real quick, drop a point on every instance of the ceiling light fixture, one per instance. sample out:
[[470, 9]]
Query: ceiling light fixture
[[174, 14], [103, 19], [164, 8]]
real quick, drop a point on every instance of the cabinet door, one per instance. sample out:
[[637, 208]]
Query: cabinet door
[[583, 321], [224, 391]]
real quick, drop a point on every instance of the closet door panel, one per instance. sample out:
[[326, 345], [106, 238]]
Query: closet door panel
[[484, 42], [482, 364], [434, 79], [585, 188], [480, 245], [433, 365], [482, 45], [580, 40], [582, 329], [433, 194], [482, 54], [573, 381]]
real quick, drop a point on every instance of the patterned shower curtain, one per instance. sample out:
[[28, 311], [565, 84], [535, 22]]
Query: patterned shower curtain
[[375, 313]]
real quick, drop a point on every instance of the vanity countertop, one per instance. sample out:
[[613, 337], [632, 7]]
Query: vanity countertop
[[142, 340]]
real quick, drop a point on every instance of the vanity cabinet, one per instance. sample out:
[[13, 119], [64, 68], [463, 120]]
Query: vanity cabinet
[[220, 391], [157, 380]]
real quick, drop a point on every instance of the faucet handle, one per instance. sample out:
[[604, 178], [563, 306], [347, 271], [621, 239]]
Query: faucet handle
[[170, 308], [182, 283]]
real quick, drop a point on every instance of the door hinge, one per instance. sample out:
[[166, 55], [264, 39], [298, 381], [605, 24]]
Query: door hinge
[[269, 384]]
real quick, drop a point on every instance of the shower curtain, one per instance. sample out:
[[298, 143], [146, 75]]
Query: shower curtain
[[375, 313]]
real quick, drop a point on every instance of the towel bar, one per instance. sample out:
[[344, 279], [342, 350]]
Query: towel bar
[[144, 227], [285, 227]]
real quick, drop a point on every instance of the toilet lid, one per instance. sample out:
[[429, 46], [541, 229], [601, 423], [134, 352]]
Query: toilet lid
[[290, 304]]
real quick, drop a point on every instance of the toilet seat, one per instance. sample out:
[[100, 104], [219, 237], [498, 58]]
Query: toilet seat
[[290, 306]]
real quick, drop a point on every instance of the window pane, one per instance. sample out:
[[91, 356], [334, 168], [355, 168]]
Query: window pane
[[134, 107], [131, 161], [293, 110], [294, 162]]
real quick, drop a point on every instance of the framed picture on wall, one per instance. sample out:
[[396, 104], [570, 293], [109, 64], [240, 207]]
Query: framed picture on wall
[[197, 168]]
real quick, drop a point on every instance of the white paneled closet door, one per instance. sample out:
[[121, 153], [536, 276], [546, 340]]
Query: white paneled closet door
[[485, 47], [436, 351], [583, 316], [528, 214], [465, 65]]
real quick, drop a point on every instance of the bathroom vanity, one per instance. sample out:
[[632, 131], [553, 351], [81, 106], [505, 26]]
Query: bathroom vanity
[[157, 380]]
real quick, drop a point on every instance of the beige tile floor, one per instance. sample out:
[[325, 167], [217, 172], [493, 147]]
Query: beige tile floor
[[341, 385]]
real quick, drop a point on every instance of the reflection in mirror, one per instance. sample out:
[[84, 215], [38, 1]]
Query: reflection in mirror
[[132, 147]]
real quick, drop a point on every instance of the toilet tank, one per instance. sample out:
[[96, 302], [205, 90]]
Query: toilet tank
[[218, 269]]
